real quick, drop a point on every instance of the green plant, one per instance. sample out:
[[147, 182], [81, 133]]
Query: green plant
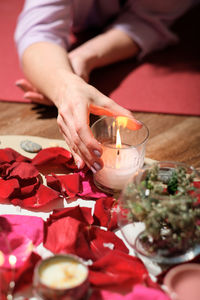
[[165, 200]]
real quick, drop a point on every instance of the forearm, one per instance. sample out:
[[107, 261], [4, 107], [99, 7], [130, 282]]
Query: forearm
[[47, 67], [106, 48]]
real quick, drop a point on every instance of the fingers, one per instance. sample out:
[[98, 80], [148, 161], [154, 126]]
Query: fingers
[[36, 97], [25, 85], [80, 139], [67, 136], [32, 94]]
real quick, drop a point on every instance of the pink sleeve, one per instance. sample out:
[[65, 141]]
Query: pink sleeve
[[148, 22], [46, 20]]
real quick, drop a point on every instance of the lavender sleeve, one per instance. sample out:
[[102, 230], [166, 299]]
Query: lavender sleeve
[[148, 22], [46, 20]]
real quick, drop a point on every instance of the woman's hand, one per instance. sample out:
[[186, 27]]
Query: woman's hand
[[75, 103], [63, 77]]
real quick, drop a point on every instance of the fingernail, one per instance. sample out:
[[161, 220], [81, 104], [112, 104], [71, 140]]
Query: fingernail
[[97, 166], [78, 164], [97, 153], [93, 170]]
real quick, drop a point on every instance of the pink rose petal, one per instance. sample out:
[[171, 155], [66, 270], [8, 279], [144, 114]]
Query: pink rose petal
[[20, 234]]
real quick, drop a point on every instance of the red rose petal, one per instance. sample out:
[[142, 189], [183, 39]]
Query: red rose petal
[[116, 269], [3, 169], [102, 241], [66, 236], [54, 155], [82, 214], [43, 196], [24, 275], [22, 170], [8, 187], [67, 184], [105, 213], [71, 164], [70, 235], [10, 155], [53, 182], [28, 187]]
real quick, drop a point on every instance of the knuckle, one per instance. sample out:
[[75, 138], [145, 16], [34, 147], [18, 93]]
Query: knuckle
[[78, 129], [74, 148], [76, 141], [89, 144]]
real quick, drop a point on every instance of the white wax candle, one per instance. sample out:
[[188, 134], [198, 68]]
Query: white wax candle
[[62, 273], [119, 165]]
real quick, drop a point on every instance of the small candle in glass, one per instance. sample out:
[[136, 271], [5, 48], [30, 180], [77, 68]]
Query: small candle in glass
[[61, 277], [123, 152]]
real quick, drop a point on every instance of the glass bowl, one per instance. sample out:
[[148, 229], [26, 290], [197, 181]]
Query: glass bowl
[[159, 213]]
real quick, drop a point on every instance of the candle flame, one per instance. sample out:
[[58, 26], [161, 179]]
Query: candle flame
[[118, 140], [12, 260], [122, 121]]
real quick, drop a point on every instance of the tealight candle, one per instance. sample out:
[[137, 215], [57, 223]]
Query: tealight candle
[[63, 276], [119, 165], [123, 152]]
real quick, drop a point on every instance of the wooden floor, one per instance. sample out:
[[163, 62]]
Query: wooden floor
[[172, 137]]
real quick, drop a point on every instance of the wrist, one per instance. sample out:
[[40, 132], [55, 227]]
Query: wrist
[[65, 81]]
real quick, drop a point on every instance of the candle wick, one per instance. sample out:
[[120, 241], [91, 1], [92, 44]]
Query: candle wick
[[118, 152]]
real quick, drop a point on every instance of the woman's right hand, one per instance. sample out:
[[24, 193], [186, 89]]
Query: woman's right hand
[[75, 102]]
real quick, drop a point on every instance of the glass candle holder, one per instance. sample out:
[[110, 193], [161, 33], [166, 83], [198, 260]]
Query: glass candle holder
[[123, 152], [61, 277]]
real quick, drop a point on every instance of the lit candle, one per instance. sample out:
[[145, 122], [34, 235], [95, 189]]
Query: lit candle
[[58, 275], [120, 162], [123, 152]]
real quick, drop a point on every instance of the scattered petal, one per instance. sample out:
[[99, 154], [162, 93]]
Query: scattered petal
[[117, 270], [82, 214], [19, 235], [139, 292], [53, 155], [88, 242], [43, 196], [105, 213], [89, 190], [7, 188], [10, 155], [22, 170], [67, 185]]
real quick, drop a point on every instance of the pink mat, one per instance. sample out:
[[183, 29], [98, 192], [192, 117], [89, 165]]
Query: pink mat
[[9, 66], [166, 82]]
